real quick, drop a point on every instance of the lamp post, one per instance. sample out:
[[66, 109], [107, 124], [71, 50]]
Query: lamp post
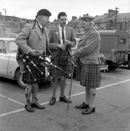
[[5, 11], [116, 17], [5, 15]]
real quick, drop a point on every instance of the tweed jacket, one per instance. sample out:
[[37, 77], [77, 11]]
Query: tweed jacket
[[30, 38], [34, 37], [54, 39], [89, 47]]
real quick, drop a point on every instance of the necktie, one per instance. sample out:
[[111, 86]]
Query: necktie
[[42, 30], [63, 36]]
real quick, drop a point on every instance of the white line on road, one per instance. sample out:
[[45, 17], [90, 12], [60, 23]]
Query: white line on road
[[11, 112], [19, 110], [11, 99]]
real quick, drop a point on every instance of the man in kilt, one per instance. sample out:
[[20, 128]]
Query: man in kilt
[[61, 40], [87, 55], [33, 38]]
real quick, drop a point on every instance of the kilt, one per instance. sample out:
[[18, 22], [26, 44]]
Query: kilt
[[28, 77], [90, 76], [56, 73]]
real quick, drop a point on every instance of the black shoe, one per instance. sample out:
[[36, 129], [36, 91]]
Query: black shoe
[[52, 101], [89, 110], [64, 99], [82, 106], [29, 108], [37, 105]]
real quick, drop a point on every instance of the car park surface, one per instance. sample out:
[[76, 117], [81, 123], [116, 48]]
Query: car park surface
[[112, 107]]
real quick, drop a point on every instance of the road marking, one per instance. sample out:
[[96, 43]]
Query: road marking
[[106, 85], [11, 99], [19, 110], [105, 75], [11, 112]]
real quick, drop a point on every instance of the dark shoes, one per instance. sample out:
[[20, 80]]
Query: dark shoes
[[82, 106], [64, 99], [37, 105], [89, 110], [52, 101], [29, 108]]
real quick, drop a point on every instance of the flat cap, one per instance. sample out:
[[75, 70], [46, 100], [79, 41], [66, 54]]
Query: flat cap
[[87, 18], [44, 12]]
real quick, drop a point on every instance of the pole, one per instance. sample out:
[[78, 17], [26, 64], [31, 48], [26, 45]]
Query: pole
[[72, 73], [5, 15], [116, 17], [5, 11]]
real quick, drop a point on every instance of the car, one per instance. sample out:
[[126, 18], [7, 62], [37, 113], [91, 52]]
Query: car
[[9, 67]]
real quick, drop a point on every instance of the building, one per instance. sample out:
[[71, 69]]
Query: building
[[113, 20]]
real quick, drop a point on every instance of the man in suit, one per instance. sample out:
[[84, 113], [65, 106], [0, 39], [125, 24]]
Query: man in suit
[[33, 38], [61, 41], [87, 54]]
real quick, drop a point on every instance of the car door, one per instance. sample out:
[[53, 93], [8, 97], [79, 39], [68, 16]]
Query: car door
[[3, 58], [12, 65]]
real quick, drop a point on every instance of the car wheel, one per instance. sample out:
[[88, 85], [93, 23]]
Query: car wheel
[[129, 64], [112, 67], [20, 80]]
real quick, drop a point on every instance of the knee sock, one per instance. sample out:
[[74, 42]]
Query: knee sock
[[92, 96]]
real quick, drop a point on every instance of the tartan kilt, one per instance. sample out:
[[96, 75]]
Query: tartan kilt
[[28, 78], [55, 73], [90, 76]]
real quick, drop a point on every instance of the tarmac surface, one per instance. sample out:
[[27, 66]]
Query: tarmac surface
[[112, 107]]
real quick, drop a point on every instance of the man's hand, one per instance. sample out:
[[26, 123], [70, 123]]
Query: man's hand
[[32, 52], [61, 46], [67, 42]]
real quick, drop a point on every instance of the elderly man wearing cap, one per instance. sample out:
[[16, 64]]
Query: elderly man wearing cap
[[33, 38], [87, 55]]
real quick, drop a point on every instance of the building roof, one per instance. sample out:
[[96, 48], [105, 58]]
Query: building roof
[[122, 17], [99, 18]]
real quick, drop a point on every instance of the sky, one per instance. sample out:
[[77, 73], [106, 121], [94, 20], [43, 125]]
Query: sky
[[29, 8]]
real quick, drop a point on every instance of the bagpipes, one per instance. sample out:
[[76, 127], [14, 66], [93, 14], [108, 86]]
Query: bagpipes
[[38, 63]]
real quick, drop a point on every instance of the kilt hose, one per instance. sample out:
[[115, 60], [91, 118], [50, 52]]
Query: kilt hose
[[28, 78], [90, 76], [56, 73]]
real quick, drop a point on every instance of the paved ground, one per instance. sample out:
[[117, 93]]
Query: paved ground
[[112, 108]]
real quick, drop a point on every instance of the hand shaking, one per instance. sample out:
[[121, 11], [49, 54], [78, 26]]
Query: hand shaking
[[61, 46]]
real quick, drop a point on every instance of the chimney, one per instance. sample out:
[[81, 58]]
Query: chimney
[[112, 12]]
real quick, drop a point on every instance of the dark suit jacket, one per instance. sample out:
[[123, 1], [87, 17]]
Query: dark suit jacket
[[54, 39]]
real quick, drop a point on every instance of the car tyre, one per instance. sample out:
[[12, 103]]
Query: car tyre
[[129, 64], [112, 67], [19, 78]]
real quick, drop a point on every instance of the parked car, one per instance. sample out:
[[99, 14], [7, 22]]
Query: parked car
[[115, 47], [9, 67]]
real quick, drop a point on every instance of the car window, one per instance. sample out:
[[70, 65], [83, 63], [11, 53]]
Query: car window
[[2, 47], [12, 47]]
